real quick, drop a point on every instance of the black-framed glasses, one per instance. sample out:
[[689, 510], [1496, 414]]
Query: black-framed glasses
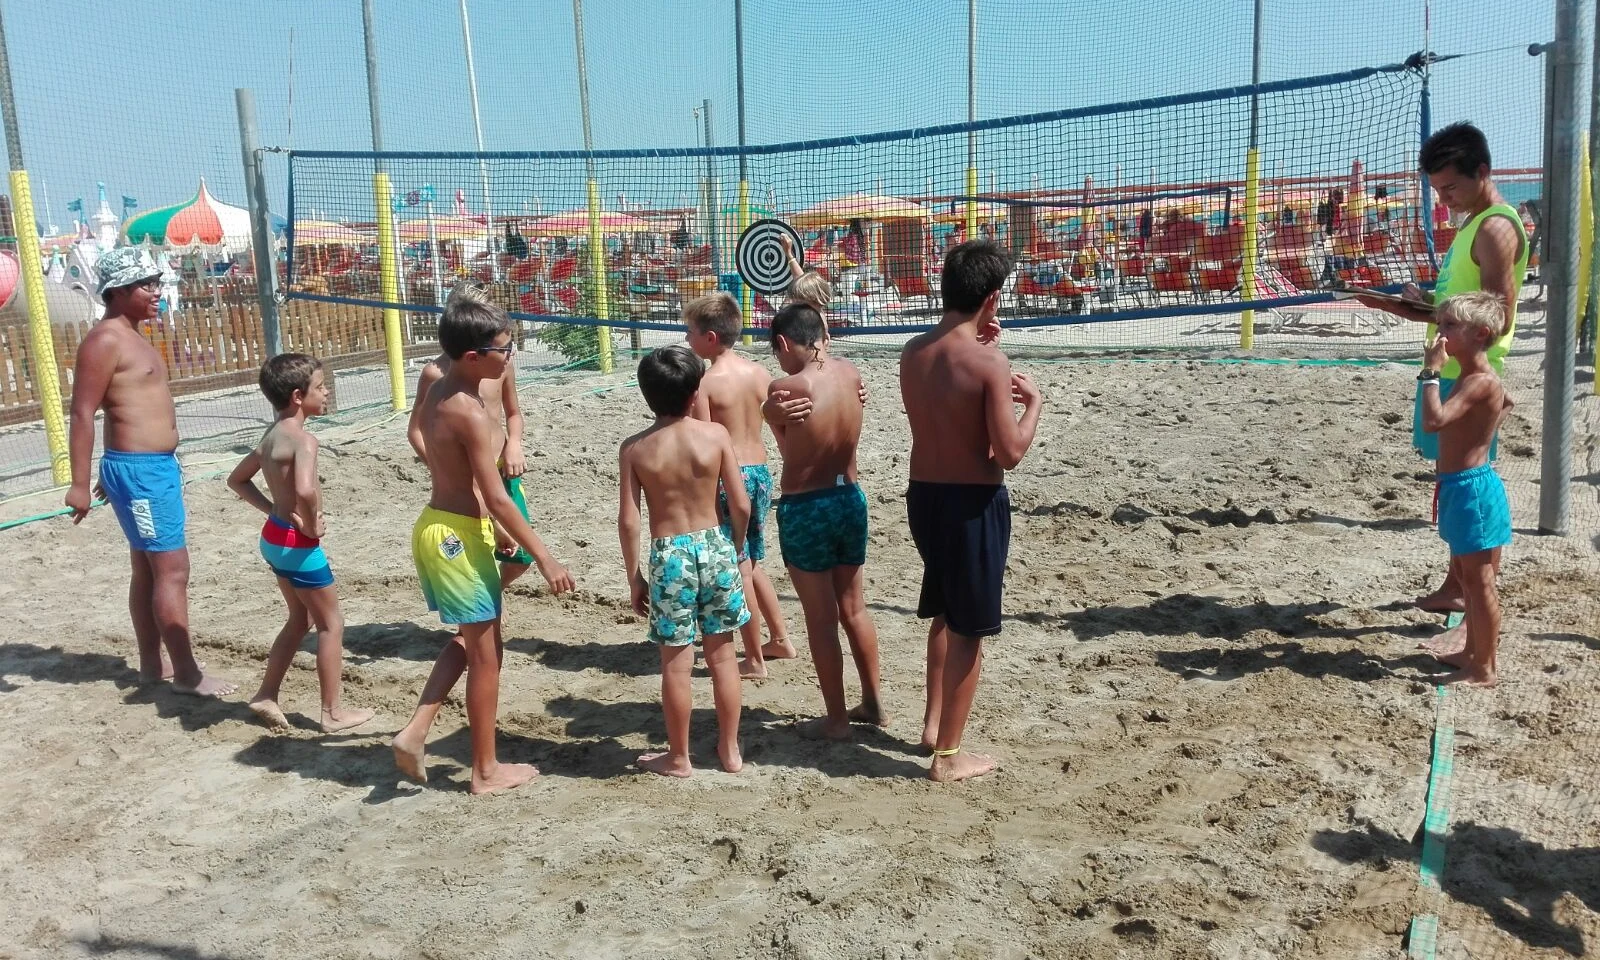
[[508, 349], [154, 283]]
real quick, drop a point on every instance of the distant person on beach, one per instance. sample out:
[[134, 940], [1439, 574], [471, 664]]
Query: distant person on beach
[[959, 392], [291, 539], [1474, 514], [688, 475], [120, 373], [1489, 253], [822, 515]]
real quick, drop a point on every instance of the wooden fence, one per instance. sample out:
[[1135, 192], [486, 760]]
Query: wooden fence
[[214, 341]]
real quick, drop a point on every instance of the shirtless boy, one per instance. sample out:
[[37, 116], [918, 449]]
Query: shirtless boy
[[500, 402], [693, 588], [731, 393], [958, 391], [119, 372], [1474, 514], [453, 541], [822, 515], [291, 539]]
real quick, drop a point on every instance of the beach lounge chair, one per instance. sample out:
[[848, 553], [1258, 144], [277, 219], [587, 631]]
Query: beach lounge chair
[[1345, 317]]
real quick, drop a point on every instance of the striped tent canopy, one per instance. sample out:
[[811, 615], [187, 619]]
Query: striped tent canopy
[[201, 221]]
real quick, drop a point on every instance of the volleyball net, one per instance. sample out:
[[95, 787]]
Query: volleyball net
[[1145, 224]]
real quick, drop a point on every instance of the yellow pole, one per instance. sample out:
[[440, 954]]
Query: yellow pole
[[389, 291], [41, 343], [746, 295], [597, 267], [972, 205], [1247, 272]]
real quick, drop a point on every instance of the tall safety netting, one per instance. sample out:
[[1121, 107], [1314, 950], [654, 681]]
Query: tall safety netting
[[1128, 221]]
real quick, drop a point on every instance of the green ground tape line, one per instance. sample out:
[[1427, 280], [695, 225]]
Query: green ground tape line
[[1423, 940], [45, 516]]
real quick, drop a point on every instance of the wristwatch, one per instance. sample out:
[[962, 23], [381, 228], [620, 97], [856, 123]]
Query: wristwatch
[[1428, 374]]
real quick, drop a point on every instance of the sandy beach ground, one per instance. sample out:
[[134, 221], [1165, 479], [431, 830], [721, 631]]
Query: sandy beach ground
[[1211, 715]]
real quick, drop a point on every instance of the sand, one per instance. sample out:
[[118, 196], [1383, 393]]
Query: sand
[[1212, 720]]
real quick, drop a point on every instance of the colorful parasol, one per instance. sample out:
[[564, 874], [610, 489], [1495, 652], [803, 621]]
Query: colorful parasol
[[310, 233], [444, 228], [202, 221], [575, 223], [858, 206]]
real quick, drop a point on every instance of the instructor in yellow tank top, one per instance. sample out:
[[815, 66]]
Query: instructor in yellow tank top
[[1489, 253]]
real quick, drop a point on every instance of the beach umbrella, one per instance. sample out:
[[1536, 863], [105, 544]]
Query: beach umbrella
[[858, 206], [313, 232], [202, 221], [443, 229], [575, 223]]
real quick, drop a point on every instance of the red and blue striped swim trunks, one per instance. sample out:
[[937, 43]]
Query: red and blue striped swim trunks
[[294, 556]]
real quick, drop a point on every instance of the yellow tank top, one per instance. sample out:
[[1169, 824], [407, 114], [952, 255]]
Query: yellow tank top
[[1459, 273]]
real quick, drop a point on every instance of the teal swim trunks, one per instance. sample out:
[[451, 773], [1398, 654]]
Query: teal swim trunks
[[516, 555], [695, 588], [822, 529], [1474, 513], [758, 484]]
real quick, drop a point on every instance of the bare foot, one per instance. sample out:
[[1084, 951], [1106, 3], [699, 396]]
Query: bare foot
[[165, 672], [410, 758], [821, 728], [506, 776], [1446, 642], [270, 713], [207, 687], [1441, 602], [1470, 677], [1457, 659], [930, 736], [752, 671], [343, 718], [665, 764], [779, 648], [960, 766], [865, 714], [732, 760]]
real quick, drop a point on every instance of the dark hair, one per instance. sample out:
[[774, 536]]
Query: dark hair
[[1460, 146], [282, 375], [800, 323], [717, 312], [668, 378], [972, 271], [471, 321]]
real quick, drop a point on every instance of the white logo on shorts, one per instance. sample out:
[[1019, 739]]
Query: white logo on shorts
[[142, 518], [451, 546]]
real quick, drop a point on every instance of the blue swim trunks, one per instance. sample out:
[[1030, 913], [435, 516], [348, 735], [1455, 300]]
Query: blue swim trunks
[[145, 491], [758, 484], [294, 556], [695, 588], [1474, 514], [822, 529], [1426, 443]]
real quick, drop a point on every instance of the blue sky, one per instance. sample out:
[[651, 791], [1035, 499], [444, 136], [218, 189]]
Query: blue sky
[[143, 98]]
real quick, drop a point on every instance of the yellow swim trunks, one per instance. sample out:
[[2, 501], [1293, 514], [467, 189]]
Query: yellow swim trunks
[[455, 562]]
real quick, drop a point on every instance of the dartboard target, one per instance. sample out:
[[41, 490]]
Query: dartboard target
[[760, 257]]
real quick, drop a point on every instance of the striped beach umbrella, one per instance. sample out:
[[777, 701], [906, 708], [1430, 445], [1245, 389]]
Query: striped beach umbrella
[[201, 221]]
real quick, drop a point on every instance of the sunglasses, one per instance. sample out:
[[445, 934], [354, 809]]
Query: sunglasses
[[154, 283]]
